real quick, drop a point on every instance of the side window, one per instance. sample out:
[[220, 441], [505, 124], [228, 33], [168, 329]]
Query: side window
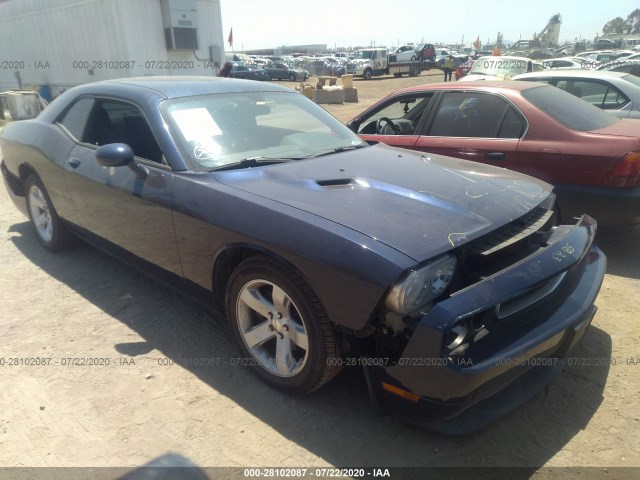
[[467, 114], [614, 99], [119, 122], [405, 113], [75, 119], [512, 126], [599, 94]]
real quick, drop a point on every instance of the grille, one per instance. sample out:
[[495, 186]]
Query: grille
[[513, 232]]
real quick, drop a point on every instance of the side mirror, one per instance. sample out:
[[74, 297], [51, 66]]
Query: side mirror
[[114, 155], [353, 126]]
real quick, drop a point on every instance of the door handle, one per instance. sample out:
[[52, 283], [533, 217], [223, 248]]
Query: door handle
[[496, 156], [74, 162]]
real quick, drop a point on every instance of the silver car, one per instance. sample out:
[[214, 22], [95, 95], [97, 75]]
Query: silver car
[[566, 63], [617, 93]]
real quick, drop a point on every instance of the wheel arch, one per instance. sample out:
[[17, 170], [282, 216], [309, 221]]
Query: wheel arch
[[25, 170], [229, 257]]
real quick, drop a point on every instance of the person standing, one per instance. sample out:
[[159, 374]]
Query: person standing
[[226, 70], [448, 68]]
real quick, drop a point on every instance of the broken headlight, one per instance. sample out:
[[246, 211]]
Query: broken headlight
[[420, 286]]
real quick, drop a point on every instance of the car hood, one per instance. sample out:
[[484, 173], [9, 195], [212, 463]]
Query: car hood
[[418, 204]]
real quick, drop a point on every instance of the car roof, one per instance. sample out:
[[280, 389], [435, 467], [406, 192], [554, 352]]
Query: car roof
[[581, 73], [183, 86], [507, 57], [566, 59], [488, 85]]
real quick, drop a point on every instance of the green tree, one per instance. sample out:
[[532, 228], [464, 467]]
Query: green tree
[[617, 26], [633, 21]]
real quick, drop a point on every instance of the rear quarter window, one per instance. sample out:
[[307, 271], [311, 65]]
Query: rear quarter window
[[568, 110], [75, 118]]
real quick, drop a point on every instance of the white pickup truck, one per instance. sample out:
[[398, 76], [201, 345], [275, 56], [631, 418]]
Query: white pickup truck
[[370, 62]]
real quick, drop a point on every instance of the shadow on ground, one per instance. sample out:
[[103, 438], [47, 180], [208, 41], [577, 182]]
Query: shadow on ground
[[620, 245]]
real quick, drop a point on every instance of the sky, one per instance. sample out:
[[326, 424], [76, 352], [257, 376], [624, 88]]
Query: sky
[[341, 23]]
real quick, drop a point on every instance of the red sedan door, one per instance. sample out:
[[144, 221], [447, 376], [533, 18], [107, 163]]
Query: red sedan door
[[476, 126], [397, 121]]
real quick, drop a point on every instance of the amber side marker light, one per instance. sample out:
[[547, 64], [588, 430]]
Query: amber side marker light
[[412, 397]]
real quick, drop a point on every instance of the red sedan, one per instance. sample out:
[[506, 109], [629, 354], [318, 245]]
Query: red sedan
[[591, 157], [463, 69]]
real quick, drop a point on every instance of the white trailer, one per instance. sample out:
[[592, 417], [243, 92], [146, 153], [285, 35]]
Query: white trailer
[[56, 44]]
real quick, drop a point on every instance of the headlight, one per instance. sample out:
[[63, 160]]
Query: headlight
[[422, 285]]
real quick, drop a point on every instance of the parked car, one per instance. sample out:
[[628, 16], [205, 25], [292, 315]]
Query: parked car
[[631, 66], [404, 53], [501, 68], [591, 157], [617, 93], [280, 71], [604, 43], [621, 54], [463, 69], [323, 66], [247, 73], [607, 56], [446, 280], [565, 63], [482, 53], [442, 53], [635, 56], [426, 51]]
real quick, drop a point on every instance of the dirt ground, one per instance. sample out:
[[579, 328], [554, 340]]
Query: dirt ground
[[170, 384]]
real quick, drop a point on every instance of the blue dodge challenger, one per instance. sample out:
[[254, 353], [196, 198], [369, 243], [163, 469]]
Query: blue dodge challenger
[[449, 282]]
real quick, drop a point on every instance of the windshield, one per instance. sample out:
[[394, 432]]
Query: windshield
[[500, 66], [569, 110], [364, 54], [214, 131]]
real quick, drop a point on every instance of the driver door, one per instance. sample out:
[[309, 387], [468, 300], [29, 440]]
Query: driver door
[[397, 122], [119, 205]]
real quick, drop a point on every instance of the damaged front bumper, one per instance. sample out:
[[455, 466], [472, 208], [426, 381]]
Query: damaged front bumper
[[493, 345]]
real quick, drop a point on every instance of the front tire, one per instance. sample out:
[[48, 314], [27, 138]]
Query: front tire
[[292, 77], [280, 326], [368, 74], [49, 227]]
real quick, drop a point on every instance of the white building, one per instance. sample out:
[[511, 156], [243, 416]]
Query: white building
[[56, 44]]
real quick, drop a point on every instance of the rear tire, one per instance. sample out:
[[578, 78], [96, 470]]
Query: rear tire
[[49, 227], [280, 327]]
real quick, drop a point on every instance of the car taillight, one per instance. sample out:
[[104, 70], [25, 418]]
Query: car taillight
[[627, 172]]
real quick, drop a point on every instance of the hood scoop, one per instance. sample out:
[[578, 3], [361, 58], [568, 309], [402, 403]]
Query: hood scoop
[[341, 183]]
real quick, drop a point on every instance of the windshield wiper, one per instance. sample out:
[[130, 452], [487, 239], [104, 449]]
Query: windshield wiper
[[250, 162], [340, 149]]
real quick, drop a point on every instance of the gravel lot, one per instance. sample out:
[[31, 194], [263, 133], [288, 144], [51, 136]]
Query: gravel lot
[[151, 399]]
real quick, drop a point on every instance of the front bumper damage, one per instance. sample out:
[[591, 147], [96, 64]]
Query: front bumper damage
[[531, 314]]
